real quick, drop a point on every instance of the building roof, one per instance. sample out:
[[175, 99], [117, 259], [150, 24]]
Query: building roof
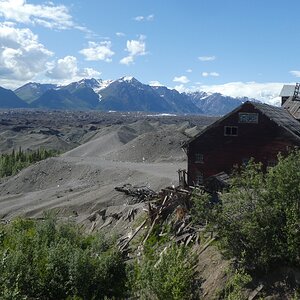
[[279, 115], [293, 106], [287, 90]]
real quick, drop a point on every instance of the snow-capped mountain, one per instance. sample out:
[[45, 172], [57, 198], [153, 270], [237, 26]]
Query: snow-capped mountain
[[95, 84], [216, 103], [124, 94], [129, 94]]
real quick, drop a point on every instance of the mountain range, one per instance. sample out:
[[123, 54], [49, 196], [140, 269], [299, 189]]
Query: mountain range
[[124, 94]]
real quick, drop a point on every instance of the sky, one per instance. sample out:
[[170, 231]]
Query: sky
[[234, 47]]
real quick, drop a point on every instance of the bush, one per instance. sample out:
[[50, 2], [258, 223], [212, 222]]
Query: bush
[[237, 281], [169, 276], [45, 260], [258, 222]]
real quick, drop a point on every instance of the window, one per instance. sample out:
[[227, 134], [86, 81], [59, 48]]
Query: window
[[231, 130], [198, 158], [199, 178], [248, 118]]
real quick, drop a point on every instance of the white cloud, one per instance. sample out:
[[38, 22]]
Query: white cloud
[[150, 17], [206, 58], [189, 70], [100, 51], [181, 88], [265, 92], [120, 34], [66, 69], [212, 74], [139, 18], [21, 54], [127, 60], [47, 15], [89, 73], [295, 73], [144, 18], [181, 79], [134, 48], [155, 83]]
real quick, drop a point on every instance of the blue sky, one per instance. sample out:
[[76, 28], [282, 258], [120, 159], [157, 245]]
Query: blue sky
[[236, 47]]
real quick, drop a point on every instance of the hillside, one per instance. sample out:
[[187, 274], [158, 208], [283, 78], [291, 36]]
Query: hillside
[[32, 91], [9, 100], [108, 150]]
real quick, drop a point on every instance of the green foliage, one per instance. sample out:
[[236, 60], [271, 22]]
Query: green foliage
[[160, 236], [46, 260], [12, 163], [258, 222], [237, 280], [203, 210], [296, 295], [167, 276]]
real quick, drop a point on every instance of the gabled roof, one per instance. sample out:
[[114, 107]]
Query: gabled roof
[[280, 116], [287, 90], [276, 114]]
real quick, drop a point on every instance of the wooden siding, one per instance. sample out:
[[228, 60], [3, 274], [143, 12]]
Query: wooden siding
[[262, 141]]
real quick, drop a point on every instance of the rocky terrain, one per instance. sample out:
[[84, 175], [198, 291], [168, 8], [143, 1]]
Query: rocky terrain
[[101, 151]]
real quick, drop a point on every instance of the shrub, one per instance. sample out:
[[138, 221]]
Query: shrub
[[168, 276], [258, 222], [56, 261], [237, 280]]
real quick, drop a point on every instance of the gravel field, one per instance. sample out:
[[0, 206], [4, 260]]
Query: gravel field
[[80, 183]]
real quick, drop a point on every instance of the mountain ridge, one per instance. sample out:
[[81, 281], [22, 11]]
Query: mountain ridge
[[123, 94]]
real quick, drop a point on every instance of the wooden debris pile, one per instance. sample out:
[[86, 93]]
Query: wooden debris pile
[[173, 209], [170, 208], [139, 194]]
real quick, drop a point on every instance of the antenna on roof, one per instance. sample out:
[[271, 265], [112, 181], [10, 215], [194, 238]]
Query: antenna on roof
[[296, 92]]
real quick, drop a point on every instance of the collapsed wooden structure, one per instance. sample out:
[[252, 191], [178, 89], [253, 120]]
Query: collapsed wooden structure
[[171, 206]]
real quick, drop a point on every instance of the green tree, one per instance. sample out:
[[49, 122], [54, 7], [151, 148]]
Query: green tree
[[258, 222], [11, 164]]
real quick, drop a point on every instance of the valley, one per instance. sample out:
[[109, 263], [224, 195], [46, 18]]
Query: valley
[[101, 151]]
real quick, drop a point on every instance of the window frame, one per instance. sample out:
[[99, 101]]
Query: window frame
[[230, 127], [199, 158], [248, 114]]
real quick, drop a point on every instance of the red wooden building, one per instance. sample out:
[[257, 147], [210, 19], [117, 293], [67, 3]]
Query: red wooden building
[[253, 130]]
